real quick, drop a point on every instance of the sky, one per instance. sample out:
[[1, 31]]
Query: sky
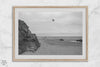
[[66, 23]]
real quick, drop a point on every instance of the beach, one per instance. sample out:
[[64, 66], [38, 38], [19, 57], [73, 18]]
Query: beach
[[54, 45]]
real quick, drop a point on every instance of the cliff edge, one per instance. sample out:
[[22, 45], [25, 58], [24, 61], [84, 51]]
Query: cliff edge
[[27, 40]]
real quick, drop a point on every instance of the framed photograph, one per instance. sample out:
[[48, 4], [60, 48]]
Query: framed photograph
[[50, 33]]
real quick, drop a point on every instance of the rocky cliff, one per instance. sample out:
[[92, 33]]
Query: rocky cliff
[[27, 40]]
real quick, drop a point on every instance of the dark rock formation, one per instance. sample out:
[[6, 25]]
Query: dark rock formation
[[61, 39], [80, 40], [27, 40]]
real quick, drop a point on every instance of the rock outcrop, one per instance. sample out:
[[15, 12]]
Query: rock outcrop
[[80, 40], [27, 40]]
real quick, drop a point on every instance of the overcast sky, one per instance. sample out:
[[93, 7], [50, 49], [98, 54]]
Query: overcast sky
[[66, 23]]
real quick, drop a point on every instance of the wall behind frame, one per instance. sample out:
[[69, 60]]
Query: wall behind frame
[[6, 32]]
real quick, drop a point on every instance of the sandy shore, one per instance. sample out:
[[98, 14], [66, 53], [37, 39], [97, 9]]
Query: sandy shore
[[57, 48]]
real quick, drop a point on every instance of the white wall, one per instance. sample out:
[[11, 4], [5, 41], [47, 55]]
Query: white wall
[[6, 32]]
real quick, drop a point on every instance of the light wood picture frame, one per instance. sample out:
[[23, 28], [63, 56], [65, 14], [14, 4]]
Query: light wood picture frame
[[40, 25]]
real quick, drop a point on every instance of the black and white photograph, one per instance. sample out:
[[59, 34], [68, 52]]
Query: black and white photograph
[[50, 33]]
